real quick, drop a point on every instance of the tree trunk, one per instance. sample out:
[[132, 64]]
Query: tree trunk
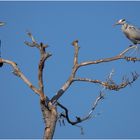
[[50, 118]]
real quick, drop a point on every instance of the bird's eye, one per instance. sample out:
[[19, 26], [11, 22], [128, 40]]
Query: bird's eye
[[123, 20]]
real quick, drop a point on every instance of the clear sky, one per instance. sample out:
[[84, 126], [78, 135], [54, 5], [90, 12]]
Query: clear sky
[[58, 24]]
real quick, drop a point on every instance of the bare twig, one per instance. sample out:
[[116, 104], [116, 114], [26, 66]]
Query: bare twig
[[81, 129], [128, 49], [99, 97], [31, 36], [75, 44], [110, 84]]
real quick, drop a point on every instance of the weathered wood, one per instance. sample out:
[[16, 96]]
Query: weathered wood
[[49, 113], [49, 107]]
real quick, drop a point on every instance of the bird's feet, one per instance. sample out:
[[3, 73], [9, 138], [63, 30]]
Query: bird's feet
[[130, 45], [135, 50]]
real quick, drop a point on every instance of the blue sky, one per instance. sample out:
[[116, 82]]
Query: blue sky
[[58, 24]]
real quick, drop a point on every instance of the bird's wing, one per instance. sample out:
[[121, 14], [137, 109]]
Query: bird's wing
[[134, 32]]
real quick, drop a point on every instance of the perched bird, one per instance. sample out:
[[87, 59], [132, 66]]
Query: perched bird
[[130, 31], [2, 23]]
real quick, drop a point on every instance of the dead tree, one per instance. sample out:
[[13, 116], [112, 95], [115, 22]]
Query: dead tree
[[49, 106]]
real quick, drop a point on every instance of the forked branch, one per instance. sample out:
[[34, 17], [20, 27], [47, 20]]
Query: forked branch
[[80, 119], [17, 72], [109, 83], [72, 78], [43, 57]]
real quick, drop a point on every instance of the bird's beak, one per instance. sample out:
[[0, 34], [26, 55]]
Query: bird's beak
[[115, 24]]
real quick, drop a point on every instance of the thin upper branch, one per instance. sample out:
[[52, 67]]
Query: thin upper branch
[[117, 57], [43, 57], [72, 75], [127, 49], [75, 44]]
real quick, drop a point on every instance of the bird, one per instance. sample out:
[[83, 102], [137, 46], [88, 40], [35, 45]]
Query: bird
[[2, 23], [131, 32]]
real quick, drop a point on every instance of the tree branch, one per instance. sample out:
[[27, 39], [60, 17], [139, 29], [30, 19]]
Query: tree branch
[[89, 80], [43, 57], [76, 66], [71, 77], [117, 57], [110, 84], [66, 116], [80, 119], [17, 72], [75, 44]]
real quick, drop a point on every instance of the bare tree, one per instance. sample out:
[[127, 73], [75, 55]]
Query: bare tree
[[49, 106]]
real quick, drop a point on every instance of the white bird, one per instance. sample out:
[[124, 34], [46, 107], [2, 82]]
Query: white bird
[[130, 31]]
